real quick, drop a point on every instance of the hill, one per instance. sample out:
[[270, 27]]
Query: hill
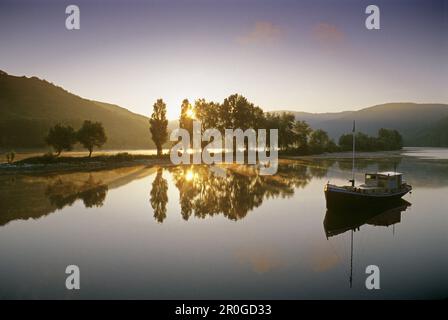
[[420, 124], [30, 106], [435, 135]]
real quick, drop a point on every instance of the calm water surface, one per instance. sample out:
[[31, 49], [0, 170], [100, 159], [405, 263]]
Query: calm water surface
[[426, 153], [221, 232]]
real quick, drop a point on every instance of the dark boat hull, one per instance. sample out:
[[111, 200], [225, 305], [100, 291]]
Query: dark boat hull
[[352, 199]]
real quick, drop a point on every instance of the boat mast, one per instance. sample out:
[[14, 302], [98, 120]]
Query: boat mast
[[353, 156]]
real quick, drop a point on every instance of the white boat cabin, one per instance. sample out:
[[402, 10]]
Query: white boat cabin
[[387, 180]]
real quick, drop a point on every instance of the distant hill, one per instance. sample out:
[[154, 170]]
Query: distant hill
[[420, 124], [30, 106], [434, 135]]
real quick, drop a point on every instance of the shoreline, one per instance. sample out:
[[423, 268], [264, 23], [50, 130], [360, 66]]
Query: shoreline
[[103, 162], [108, 160], [80, 164], [349, 155]]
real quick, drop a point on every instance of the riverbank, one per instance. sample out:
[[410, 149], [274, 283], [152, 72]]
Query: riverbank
[[48, 163], [109, 160]]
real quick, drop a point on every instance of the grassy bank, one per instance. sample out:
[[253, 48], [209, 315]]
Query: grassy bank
[[49, 162]]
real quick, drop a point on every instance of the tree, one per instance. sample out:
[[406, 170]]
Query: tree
[[159, 125], [187, 115], [207, 113], [346, 142], [363, 142], [386, 140], [291, 133], [284, 123], [237, 112], [271, 121], [331, 146], [302, 132], [61, 138], [91, 135], [285, 131], [390, 139], [320, 142]]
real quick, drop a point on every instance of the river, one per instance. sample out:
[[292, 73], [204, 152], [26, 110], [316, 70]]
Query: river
[[199, 232]]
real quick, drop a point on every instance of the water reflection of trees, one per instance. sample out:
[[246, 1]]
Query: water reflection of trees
[[64, 193], [232, 190], [159, 196], [319, 169]]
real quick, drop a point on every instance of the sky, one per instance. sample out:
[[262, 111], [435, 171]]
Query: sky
[[314, 56]]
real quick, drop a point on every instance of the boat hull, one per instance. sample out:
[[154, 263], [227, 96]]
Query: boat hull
[[340, 198]]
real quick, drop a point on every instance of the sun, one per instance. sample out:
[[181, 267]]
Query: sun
[[190, 113]]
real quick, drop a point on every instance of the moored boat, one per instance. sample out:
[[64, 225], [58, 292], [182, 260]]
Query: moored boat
[[379, 188]]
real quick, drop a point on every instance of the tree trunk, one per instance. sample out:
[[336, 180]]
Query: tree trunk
[[159, 151], [90, 152]]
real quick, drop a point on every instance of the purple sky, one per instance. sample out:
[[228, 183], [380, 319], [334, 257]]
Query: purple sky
[[314, 56]]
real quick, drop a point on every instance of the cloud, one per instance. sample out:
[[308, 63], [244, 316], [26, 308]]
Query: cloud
[[328, 34], [262, 32]]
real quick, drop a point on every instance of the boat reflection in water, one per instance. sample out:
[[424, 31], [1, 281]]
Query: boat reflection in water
[[338, 221]]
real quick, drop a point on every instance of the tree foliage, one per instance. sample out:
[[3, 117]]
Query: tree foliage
[[159, 125], [91, 135], [301, 131], [61, 138], [186, 116], [386, 140], [236, 112], [294, 136], [389, 139], [321, 142]]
